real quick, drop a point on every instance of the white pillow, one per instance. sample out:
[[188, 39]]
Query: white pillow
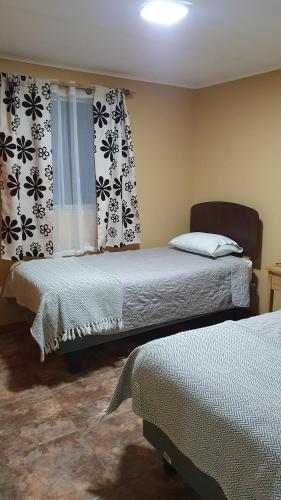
[[212, 245]]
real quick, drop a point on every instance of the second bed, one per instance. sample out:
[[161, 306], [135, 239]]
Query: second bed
[[153, 286]]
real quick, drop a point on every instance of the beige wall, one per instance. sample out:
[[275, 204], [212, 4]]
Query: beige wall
[[236, 154], [218, 143], [161, 123]]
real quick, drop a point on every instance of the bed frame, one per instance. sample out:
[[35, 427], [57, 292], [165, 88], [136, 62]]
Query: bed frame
[[175, 462], [236, 221]]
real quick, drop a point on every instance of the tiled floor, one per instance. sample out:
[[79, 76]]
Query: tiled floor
[[51, 444]]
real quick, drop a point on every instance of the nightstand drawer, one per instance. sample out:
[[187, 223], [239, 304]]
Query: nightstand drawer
[[276, 283]]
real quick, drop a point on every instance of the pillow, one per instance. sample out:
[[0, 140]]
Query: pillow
[[211, 245]]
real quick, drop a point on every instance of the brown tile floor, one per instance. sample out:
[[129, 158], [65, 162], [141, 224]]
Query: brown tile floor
[[51, 443]]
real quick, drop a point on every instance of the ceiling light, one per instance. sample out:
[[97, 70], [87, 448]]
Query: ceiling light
[[164, 11]]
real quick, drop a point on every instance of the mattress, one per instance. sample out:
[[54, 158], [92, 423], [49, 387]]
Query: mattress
[[164, 284]]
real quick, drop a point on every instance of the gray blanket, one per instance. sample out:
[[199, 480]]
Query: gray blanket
[[69, 298], [216, 393]]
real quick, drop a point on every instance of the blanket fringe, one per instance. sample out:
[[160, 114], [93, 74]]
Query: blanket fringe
[[101, 415], [101, 326]]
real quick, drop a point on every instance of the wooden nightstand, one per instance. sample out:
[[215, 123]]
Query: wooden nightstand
[[274, 283]]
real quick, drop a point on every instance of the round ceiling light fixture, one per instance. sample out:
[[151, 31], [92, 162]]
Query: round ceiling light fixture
[[164, 11]]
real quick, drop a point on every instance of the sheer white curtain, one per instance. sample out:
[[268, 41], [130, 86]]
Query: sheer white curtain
[[75, 215]]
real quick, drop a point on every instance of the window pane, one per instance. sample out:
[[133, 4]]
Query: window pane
[[73, 149], [86, 150]]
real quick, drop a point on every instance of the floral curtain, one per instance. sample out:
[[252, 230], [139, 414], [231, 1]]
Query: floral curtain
[[117, 204], [25, 167]]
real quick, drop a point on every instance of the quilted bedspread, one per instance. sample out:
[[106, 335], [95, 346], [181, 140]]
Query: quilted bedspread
[[164, 284], [216, 393]]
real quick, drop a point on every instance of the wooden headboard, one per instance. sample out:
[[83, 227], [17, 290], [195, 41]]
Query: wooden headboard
[[238, 222]]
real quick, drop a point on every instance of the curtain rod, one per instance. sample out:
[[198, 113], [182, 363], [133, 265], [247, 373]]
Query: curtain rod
[[87, 88]]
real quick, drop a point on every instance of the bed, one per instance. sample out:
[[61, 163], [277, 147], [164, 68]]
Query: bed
[[210, 401], [159, 285]]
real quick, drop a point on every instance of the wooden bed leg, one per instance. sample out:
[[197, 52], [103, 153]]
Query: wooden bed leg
[[168, 468], [74, 362]]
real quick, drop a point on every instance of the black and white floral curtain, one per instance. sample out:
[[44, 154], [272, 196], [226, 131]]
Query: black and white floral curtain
[[117, 204], [25, 167]]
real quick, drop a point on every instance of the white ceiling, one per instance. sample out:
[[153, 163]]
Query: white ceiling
[[220, 40]]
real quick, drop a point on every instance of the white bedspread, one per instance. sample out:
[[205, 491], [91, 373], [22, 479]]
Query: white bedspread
[[215, 392]]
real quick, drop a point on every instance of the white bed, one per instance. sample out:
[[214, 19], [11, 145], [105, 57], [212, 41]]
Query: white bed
[[156, 286], [159, 285], [211, 404]]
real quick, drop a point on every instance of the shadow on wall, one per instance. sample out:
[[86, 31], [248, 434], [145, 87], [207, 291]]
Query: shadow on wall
[[258, 260], [254, 296]]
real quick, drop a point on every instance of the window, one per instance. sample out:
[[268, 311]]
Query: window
[[73, 147], [74, 181]]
